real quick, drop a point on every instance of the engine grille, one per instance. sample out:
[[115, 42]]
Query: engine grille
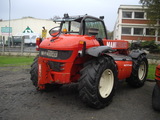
[[55, 54], [55, 66]]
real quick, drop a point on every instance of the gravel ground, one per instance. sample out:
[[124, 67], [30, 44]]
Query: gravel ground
[[19, 100]]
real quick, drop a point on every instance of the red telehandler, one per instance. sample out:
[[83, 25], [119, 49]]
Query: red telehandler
[[79, 51], [156, 90]]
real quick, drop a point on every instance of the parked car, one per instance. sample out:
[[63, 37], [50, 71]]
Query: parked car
[[156, 90], [17, 40], [30, 38]]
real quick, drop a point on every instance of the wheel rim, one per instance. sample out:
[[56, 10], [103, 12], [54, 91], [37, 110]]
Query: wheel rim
[[106, 83], [142, 71]]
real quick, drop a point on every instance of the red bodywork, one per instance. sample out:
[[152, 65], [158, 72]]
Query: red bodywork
[[157, 75], [69, 69], [38, 41]]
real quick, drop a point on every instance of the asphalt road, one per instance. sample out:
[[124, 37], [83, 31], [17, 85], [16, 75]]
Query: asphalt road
[[19, 100]]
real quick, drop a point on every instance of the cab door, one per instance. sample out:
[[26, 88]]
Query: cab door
[[92, 23]]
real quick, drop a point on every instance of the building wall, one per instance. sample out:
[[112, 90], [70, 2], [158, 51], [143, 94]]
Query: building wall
[[132, 24], [19, 25]]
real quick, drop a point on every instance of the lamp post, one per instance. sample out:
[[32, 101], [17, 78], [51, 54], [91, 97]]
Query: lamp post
[[9, 22]]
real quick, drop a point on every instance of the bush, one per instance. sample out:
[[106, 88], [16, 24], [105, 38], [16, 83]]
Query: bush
[[151, 46]]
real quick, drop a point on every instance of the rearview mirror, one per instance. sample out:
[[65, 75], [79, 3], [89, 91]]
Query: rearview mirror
[[55, 31], [93, 31]]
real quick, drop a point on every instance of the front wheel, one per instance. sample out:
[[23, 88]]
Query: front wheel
[[139, 72], [156, 98], [98, 82]]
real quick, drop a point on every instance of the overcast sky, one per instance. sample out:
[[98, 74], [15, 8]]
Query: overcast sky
[[46, 9]]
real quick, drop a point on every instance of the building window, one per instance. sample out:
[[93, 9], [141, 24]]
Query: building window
[[126, 30], [127, 14], [159, 32], [138, 31], [139, 15], [150, 31]]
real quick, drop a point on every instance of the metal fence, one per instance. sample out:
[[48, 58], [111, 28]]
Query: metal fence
[[20, 49]]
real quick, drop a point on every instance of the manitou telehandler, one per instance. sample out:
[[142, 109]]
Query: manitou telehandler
[[79, 51], [156, 90]]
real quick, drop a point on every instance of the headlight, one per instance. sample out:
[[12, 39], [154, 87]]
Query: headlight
[[55, 54]]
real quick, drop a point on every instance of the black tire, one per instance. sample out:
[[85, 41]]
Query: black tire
[[156, 98], [90, 82], [34, 72], [139, 72], [34, 77]]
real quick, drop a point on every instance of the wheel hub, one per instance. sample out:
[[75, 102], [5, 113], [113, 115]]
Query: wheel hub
[[106, 83], [142, 71]]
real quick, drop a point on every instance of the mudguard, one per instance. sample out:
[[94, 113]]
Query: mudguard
[[136, 53], [97, 51]]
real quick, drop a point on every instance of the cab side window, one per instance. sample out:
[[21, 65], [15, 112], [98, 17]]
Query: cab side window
[[91, 23]]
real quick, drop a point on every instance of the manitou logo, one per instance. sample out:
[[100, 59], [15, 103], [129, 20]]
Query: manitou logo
[[117, 45], [111, 44], [127, 65]]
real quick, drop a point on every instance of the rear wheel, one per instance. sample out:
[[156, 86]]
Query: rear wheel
[[106, 85], [139, 72], [98, 82], [156, 98], [34, 77]]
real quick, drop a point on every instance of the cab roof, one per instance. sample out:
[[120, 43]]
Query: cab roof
[[78, 18]]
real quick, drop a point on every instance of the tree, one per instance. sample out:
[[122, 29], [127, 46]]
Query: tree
[[55, 17], [110, 34], [153, 10]]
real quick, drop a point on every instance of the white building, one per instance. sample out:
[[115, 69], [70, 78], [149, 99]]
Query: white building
[[132, 24], [18, 26]]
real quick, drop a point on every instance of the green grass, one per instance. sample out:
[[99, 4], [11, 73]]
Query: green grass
[[151, 71], [15, 60], [22, 60]]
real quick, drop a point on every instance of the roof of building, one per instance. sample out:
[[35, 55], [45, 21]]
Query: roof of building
[[131, 7], [27, 18]]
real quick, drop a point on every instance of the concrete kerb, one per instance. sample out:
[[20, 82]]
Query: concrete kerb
[[153, 61], [18, 54]]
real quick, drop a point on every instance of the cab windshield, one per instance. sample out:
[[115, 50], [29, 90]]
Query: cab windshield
[[71, 27]]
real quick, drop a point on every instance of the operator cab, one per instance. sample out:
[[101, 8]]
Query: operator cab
[[82, 25]]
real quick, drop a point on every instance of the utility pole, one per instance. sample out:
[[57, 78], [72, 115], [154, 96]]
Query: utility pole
[[9, 36]]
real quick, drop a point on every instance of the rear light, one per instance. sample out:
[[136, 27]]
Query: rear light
[[81, 42], [38, 42], [82, 48]]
